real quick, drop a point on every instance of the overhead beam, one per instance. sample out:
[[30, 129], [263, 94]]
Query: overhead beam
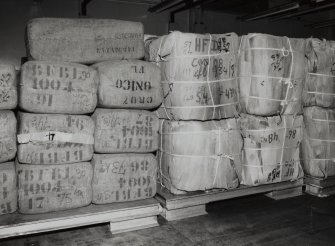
[[271, 12], [305, 11], [165, 5]]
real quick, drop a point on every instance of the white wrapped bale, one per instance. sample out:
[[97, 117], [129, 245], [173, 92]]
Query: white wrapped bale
[[197, 155], [318, 145], [198, 75], [54, 138], [320, 80], [48, 188], [8, 190], [7, 135], [118, 131], [123, 177], [8, 89], [84, 40], [271, 74], [129, 84], [271, 148], [58, 88]]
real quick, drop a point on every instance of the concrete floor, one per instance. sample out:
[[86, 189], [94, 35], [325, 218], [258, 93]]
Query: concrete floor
[[253, 220]]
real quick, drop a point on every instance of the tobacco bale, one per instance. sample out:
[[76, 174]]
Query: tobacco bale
[[118, 130], [8, 189], [197, 155], [320, 81], [55, 138], [7, 135], [198, 75], [318, 145], [84, 40], [8, 90], [47, 188], [63, 88], [123, 177], [271, 74], [271, 148], [129, 84]]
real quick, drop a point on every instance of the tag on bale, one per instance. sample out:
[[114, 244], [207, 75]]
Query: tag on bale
[[271, 148], [7, 135], [319, 86], [54, 138], [129, 84], [123, 177], [197, 155], [198, 75], [271, 74], [48, 188], [8, 89], [84, 40], [8, 189], [318, 144], [118, 131], [58, 88]]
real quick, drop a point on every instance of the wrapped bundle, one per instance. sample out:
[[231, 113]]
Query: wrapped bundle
[[47, 188], [197, 155], [198, 75], [8, 190], [320, 80], [8, 90], [118, 130], [318, 145], [63, 88], [271, 148], [7, 135], [123, 177], [271, 74], [54, 138], [129, 84], [84, 40]]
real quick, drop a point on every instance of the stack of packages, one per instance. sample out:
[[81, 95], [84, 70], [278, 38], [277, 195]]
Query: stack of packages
[[271, 79], [55, 139], [126, 131], [8, 101], [200, 144], [318, 146]]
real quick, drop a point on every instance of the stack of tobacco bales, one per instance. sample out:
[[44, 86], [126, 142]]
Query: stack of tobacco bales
[[8, 101], [318, 146], [56, 134], [126, 132], [271, 76], [200, 144]]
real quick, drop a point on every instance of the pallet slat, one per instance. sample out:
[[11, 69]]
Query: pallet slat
[[17, 224], [320, 187]]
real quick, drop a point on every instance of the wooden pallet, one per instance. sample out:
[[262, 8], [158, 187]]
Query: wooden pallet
[[193, 204], [126, 216], [320, 187]]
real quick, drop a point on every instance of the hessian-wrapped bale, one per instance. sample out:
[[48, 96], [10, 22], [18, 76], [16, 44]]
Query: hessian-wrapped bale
[[318, 145], [58, 88], [8, 89], [119, 130], [271, 148], [271, 74], [54, 138], [123, 177], [129, 84], [320, 80], [198, 75], [84, 40], [7, 135], [8, 189], [196, 155]]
